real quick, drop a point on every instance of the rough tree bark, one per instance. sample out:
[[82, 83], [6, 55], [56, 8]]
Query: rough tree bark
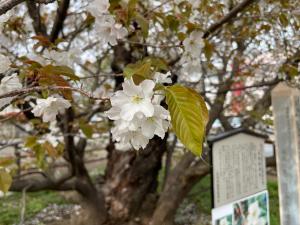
[[132, 183], [182, 179]]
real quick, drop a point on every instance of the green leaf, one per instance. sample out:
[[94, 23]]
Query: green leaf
[[87, 129], [129, 71], [290, 70], [189, 116], [30, 141], [39, 151], [144, 24], [60, 70], [5, 181], [132, 6], [138, 72], [158, 63], [144, 69], [181, 36], [208, 49], [172, 22], [283, 20]]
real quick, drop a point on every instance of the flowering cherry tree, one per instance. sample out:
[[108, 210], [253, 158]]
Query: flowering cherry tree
[[146, 80]]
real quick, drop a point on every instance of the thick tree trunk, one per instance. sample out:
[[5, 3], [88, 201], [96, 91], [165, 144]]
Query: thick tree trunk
[[93, 199], [178, 185], [132, 182]]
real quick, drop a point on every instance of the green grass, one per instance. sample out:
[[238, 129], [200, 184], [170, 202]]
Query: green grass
[[35, 202], [201, 196], [274, 203]]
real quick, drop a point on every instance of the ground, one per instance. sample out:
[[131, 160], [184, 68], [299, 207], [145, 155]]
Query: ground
[[46, 207]]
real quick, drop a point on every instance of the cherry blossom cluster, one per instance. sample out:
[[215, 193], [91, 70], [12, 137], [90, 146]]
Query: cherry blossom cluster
[[47, 108], [190, 61], [108, 30], [57, 56], [137, 113]]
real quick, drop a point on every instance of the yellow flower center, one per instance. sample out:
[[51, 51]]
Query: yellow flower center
[[136, 99]]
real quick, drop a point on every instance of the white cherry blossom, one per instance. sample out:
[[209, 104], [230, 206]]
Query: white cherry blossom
[[4, 63], [54, 137], [162, 78], [137, 115], [98, 7], [123, 146], [135, 138], [133, 99], [66, 58], [194, 44], [109, 31], [157, 124], [8, 84], [191, 71], [50, 107], [190, 61]]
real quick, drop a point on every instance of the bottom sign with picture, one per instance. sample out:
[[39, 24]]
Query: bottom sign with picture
[[253, 210]]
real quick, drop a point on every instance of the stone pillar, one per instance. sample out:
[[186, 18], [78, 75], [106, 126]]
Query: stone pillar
[[286, 111]]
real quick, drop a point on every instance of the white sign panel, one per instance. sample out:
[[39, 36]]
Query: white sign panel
[[238, 168]]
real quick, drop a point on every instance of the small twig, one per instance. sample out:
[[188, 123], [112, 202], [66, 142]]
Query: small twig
[[103, 75], [51, 88], [14, 144], [162, 46], [14, 115]]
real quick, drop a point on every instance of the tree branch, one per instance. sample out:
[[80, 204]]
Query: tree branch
[[38, 183], [240, 7], [50, 88], [34, 13], [59, 20], [7, 5]]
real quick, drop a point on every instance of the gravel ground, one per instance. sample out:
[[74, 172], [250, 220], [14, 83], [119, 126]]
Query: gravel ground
[[54, 213], [187, 214]]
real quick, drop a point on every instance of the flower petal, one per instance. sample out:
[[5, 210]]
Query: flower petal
[[130, 89], [147, 87], [147, 108], [148, 128], [128, 111]]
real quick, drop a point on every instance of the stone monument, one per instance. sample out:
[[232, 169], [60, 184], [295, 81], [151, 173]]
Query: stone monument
[[286, 111]]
